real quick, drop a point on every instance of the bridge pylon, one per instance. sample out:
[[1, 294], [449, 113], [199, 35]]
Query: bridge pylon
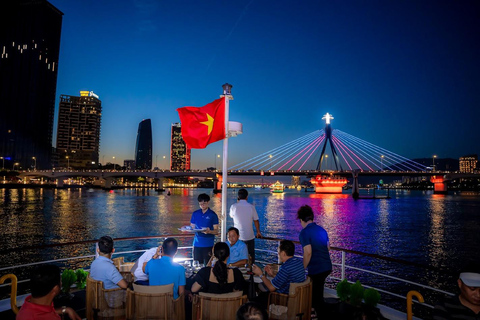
[[328, 139]]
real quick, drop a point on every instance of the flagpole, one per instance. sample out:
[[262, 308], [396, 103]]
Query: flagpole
[[227, 94]]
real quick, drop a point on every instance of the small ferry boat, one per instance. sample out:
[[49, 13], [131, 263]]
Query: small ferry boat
[[277, 187]]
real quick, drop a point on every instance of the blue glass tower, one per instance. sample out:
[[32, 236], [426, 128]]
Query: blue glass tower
[[143, 149]]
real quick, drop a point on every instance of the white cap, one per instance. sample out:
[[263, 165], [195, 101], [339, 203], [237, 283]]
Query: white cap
[[470, 279]]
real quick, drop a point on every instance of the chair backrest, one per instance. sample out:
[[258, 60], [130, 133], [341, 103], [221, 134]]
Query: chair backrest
[[153, 289], [299, 300], [208, 306], [118, 262], [158, 306], [103, 303]]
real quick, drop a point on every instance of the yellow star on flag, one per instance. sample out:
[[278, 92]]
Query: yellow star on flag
[[208, 123]]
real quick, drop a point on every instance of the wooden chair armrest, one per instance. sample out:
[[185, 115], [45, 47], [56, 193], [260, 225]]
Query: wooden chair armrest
[[278, 298]]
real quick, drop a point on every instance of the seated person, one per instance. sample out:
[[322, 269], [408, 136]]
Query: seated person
[[219, 278], [103, 269], [465, 305], [238, 249], [164, 270], [45, 285], [139, 276], [251, 311], [292, 269]]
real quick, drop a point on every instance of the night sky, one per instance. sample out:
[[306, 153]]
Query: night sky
[[404, 75]]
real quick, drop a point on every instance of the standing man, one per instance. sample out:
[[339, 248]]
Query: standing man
[[243, 215], [316, 255], [164, 271], [45, 285], [466, 305], [204, 218]]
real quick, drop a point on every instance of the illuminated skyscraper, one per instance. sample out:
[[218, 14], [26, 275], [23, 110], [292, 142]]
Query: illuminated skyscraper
[[468, 164], [143, 148], [29, 50], [78, 134], [179, 152]]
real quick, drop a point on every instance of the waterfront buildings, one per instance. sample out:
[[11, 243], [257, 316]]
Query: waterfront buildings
[[29, 50], [78, 134], [468, 164], [180, 154], [143, 148], [129, 164]]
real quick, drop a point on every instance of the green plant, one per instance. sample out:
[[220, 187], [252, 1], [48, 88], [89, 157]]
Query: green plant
[[68, 278], [356, 294], [343, 290], [81, 278], [371, 297]]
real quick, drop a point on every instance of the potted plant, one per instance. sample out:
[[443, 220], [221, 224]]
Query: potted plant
[[81, 278], [68, 279], [356, 302]]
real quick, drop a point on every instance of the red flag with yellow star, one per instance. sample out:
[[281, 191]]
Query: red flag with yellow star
[[204, 125]]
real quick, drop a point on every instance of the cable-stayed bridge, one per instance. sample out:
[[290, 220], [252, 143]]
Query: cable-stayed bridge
[[347, 153]]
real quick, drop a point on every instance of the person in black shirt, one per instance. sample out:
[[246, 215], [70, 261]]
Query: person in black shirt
[[219, 278], [466, 305]]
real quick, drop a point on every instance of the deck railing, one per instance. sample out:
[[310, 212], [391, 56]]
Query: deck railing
[[341, 269]]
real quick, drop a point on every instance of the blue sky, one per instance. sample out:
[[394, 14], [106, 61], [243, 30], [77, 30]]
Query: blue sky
[[403, 75]]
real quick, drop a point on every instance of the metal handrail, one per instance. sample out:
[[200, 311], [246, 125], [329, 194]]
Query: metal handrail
[[342, 265]]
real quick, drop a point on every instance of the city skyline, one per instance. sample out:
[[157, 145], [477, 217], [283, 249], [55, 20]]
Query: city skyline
[[399, 75]]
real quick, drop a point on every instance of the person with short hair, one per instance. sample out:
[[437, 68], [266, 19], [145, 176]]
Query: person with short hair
[[238, 249], [465, 305], [45, 285], [204, 218], [251, 311], [103, 269], [219, 278], [164, 271], [244, 215], [291, 271], [316, 255]]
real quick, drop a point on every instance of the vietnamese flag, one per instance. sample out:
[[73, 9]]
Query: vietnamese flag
[[204, 125]]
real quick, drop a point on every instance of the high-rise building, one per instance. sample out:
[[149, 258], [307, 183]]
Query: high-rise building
[[78, 134], [143, 148], [29, 49], [179, 152], [129, 164], [468, 164]]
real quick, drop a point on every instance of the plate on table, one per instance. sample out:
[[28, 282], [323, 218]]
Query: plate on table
[[192, 230]]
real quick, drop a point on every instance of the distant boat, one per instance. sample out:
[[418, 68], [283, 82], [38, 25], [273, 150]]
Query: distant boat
[[277, 187]]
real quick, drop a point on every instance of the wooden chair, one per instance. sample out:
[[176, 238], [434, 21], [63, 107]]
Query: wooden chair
[[118, 262], [104, 303], [154, 302], [297, 301], [209, 306]]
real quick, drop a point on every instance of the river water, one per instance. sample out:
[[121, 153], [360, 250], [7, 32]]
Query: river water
[[435, 230]]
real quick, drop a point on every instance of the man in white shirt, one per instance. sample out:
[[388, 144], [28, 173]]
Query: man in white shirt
[[139, 276], [244, 216]]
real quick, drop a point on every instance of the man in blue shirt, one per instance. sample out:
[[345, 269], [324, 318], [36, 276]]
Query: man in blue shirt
[[316, 255], [238, 249], [291, 271], [103, 269], [164, 271], [204, 218]]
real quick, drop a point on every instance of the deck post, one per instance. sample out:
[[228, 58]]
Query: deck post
[[343, 265]]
